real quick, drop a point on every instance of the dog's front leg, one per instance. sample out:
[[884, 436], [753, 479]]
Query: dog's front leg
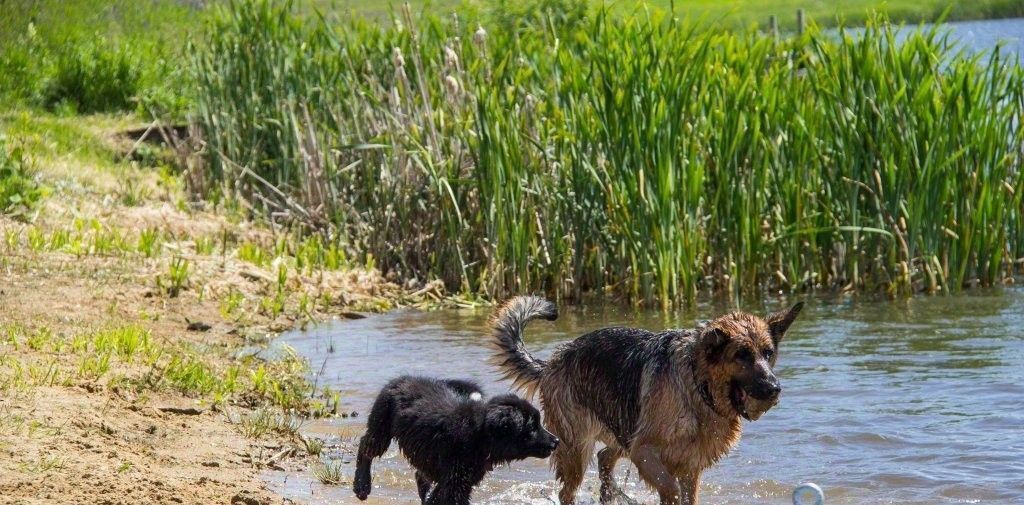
[[653, 471], [423, 485], [689, 484]]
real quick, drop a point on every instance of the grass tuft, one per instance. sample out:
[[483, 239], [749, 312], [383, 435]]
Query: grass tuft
[[20, 191], [176, 279], [264, 421], [313, 446], [328, 472]]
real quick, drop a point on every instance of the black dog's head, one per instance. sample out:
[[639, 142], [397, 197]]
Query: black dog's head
[[514, 430]]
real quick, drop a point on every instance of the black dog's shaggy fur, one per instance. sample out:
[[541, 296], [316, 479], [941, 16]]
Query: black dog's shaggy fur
[[450, 435]]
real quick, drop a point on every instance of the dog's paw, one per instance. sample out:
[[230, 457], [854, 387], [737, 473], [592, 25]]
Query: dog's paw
[[361, 487], [612, 495]]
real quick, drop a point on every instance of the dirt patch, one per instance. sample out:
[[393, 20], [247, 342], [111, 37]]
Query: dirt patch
[[123, 316], [89, 442]]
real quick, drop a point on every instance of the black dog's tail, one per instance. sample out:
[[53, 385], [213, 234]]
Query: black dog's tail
[[511, 356], [375, 441]]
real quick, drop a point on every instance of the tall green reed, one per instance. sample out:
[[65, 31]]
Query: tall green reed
[[635, 155]]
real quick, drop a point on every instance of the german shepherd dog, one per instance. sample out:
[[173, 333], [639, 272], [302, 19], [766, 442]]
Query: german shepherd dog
[[670, 401], [449, 434]]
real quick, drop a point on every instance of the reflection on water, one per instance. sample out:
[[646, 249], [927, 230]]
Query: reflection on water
[[915, 401]]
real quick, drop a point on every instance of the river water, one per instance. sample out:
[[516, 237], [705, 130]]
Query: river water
[[912, 401], [986, 34]]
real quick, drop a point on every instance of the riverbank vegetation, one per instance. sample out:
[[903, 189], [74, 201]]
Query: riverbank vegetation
[[118, 56], [734, 13], [568, 149], [78, 56], [638, 156]]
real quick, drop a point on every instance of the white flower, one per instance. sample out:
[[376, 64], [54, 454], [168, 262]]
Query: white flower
[[480, 36], [450, 58], [452, 84]]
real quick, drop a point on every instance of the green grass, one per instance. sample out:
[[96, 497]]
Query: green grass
[[312, 445], [51, 138], [128, 356], [732, 13], [263, 422], [594, 163], [176, 279], [829, 13], [328, 472], [84, 56], [162, 20], [93, 76], [637, 156], [121, 55], [169, 22], [20, 191]]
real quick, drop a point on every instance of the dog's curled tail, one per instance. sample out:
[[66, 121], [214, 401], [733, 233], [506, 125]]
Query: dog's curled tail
[[511, 356]]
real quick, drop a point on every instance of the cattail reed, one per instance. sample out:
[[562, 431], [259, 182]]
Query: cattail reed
[[635, 156]]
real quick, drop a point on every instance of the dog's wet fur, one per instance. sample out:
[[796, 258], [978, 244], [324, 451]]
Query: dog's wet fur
[[670, 401], [450, 435]]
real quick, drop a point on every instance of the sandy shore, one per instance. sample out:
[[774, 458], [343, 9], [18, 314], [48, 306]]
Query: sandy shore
[[132, 337]]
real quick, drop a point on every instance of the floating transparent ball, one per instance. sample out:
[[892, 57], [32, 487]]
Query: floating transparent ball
[[808, 494]]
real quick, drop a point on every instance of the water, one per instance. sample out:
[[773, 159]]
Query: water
[[976, 36], [986, 34], [914, 401]]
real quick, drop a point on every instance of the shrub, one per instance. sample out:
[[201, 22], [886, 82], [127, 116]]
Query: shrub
[[20, 192], [93, 75], [23, 64]]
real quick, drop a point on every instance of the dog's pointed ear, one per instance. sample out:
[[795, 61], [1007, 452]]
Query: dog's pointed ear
[[713, 341], [778, 322]]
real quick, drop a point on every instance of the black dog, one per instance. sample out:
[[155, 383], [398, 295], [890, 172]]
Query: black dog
[[450, 435]]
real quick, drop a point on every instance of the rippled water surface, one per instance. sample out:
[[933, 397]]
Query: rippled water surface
[[915, 401], [985, 34]]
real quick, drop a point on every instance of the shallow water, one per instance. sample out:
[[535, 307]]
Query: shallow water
[[915, 401]]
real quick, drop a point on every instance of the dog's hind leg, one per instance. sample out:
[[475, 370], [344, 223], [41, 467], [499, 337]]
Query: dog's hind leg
[[374, 442], [450, 493], [423, 485], [610, 492], [570, 462]]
